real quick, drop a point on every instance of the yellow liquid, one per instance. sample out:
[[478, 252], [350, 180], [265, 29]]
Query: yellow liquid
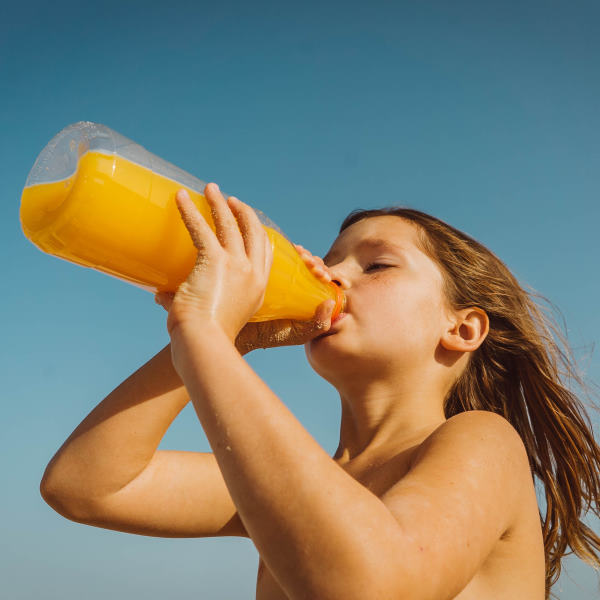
[[120, 218]]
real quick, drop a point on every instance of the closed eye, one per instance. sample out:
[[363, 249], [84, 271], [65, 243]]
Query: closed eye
[[370, 266]]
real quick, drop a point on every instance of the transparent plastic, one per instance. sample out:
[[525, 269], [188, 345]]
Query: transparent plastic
[[97, 199]]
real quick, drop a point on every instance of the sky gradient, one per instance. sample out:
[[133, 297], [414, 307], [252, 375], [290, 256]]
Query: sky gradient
[[484, 114]]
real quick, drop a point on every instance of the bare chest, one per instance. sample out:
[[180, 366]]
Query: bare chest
[[514, 569], [377, 479]]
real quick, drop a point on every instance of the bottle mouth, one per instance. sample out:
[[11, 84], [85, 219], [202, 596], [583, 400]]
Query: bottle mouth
[[340, 301]]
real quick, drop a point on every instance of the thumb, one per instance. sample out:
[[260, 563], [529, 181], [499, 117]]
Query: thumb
[[304, 331], [322, 319]]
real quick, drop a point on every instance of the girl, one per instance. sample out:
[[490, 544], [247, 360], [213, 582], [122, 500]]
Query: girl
[[452, 403]]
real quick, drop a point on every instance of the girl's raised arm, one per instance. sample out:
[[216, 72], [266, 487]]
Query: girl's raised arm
[[108, 472], [320, 532]]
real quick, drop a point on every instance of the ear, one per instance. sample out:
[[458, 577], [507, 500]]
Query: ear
[[466, 330]]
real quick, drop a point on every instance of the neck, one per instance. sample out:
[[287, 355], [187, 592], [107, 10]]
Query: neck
[[384, 418]]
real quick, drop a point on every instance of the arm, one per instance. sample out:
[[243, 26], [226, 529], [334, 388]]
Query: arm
[[108, 472], [321, 533]]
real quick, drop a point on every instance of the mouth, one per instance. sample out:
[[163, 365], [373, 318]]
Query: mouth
[[338, 317], [323, 335]]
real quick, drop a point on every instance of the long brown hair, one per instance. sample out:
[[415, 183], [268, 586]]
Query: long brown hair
[[521, 371]]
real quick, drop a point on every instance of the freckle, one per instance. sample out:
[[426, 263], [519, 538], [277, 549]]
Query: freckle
[[421, 548]]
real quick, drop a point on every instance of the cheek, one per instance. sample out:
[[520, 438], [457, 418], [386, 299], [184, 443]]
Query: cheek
[[407, 312]]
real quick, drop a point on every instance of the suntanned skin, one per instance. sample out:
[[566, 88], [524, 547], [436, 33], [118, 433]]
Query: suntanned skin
[[411, 506]]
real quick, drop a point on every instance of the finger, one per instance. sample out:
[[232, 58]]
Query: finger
[[322, 318], [321, 321], [256, 239], [268, 254], [317, 267], [250, 227], [226, 227], [202, 235], [308, 257], [303, 251], [322, 274], [319, 260]]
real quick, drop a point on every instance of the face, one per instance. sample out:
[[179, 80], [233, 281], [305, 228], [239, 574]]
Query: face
[[395, 306]]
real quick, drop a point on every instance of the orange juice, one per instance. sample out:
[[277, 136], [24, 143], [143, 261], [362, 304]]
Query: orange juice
[[120, 218]]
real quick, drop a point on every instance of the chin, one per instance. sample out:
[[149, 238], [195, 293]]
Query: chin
[[328, 357]]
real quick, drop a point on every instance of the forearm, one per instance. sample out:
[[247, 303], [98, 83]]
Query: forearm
[[115, 442], [314, 525]]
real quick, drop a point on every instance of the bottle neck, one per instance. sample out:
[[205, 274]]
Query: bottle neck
[[340, 301]]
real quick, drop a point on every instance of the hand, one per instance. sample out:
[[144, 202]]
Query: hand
[[289, 332], [227, 284], [282, 332]]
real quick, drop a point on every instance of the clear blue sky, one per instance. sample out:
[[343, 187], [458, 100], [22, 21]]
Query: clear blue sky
[[485, 114]]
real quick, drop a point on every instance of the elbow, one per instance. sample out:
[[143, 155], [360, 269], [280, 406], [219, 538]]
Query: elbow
[[64, 499], [52, 497], [55, 497]]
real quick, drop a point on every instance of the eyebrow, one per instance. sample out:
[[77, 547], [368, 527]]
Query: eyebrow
[[371, 243]]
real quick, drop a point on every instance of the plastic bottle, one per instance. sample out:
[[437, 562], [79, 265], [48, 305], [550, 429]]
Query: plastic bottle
[[97, 199]]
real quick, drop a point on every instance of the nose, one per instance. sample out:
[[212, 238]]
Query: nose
[[342, 282], [339, 278]]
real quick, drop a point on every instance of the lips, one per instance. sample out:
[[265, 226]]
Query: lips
[[338, 317]]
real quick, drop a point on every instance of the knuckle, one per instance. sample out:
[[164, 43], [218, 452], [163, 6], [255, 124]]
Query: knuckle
[[245, 268]]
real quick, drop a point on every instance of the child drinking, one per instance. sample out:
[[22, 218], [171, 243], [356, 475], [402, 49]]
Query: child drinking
[[452, 402]]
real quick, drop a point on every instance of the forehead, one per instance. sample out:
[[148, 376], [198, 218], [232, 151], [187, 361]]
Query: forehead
[[383, 230]]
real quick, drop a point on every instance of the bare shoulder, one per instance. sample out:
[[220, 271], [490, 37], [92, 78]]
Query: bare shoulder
[[461, 494], [481, 449], [488, 435]]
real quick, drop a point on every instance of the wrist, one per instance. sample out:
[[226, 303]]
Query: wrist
[[189, 336], [195, 349]]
